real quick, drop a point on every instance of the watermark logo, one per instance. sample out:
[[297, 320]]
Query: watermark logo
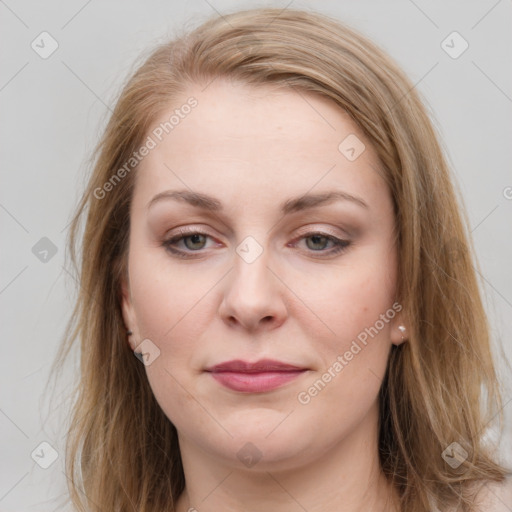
[[249, 455], [44, 455], [146, 352], [44, 45], [351, 147], [249, 249], [454, 45], [454, 455], [44, 250]]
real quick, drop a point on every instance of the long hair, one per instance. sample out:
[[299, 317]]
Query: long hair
[[440, 386]]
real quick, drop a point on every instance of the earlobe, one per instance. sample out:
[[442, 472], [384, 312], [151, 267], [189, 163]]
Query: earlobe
[[399, 331], [403, 332]]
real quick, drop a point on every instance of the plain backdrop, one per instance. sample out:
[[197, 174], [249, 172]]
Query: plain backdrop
[[55, 106]]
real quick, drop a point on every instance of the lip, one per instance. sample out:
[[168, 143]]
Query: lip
[[263, 365], [257, 377]]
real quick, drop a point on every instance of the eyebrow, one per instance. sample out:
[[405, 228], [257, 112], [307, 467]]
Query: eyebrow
[[294, 204]]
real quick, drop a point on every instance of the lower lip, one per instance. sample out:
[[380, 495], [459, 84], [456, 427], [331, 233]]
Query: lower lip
[[255, 382]]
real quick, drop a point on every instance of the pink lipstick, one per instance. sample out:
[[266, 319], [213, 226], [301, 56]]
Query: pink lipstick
[[258, 377]]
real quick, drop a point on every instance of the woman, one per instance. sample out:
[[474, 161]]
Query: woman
[[271, 229]]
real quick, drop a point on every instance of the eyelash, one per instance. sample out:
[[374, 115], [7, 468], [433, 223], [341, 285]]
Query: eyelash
[[339, 244]]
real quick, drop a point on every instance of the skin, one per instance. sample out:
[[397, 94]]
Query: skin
[[252, 149]]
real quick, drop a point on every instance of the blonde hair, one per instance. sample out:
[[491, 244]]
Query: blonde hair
[[440, 387]]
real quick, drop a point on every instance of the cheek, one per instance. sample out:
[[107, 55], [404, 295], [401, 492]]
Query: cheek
[[354, 360], [356, 304], [171, 310], [169, 299], [349, 302]]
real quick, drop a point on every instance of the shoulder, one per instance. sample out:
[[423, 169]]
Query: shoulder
[[495, 496]]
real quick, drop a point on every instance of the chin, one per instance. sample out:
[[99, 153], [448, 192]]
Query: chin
[[260, 445]]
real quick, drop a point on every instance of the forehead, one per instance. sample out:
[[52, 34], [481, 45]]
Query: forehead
[[258, 141]]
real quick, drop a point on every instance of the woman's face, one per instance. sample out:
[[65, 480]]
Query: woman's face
[[274, 272]]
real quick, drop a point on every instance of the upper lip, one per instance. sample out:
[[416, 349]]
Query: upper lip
[[263, 365]]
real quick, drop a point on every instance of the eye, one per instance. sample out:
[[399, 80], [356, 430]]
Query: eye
[[317, 242], [194, 241]]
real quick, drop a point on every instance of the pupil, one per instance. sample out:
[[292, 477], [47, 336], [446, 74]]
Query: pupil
[[194, 239], [316, 238]]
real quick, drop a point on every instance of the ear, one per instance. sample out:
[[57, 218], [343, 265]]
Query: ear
[[399, 329], [129, 317]]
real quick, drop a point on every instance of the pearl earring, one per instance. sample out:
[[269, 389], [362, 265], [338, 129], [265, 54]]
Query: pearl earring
[[401, 328]]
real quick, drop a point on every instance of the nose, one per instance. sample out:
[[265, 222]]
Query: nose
[[254, 296]]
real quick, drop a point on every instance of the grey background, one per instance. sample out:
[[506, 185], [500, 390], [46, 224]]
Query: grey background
[[54, 109]]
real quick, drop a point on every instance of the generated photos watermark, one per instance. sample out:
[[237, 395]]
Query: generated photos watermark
[[151, 142], [357, 345]]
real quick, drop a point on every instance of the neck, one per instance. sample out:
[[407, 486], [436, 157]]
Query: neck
[[346, 477]]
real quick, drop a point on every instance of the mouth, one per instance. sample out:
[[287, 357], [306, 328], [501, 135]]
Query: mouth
[[258, 377]]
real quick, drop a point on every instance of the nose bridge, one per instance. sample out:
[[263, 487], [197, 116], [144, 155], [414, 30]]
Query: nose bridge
[[252, 294], [251, 266]]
